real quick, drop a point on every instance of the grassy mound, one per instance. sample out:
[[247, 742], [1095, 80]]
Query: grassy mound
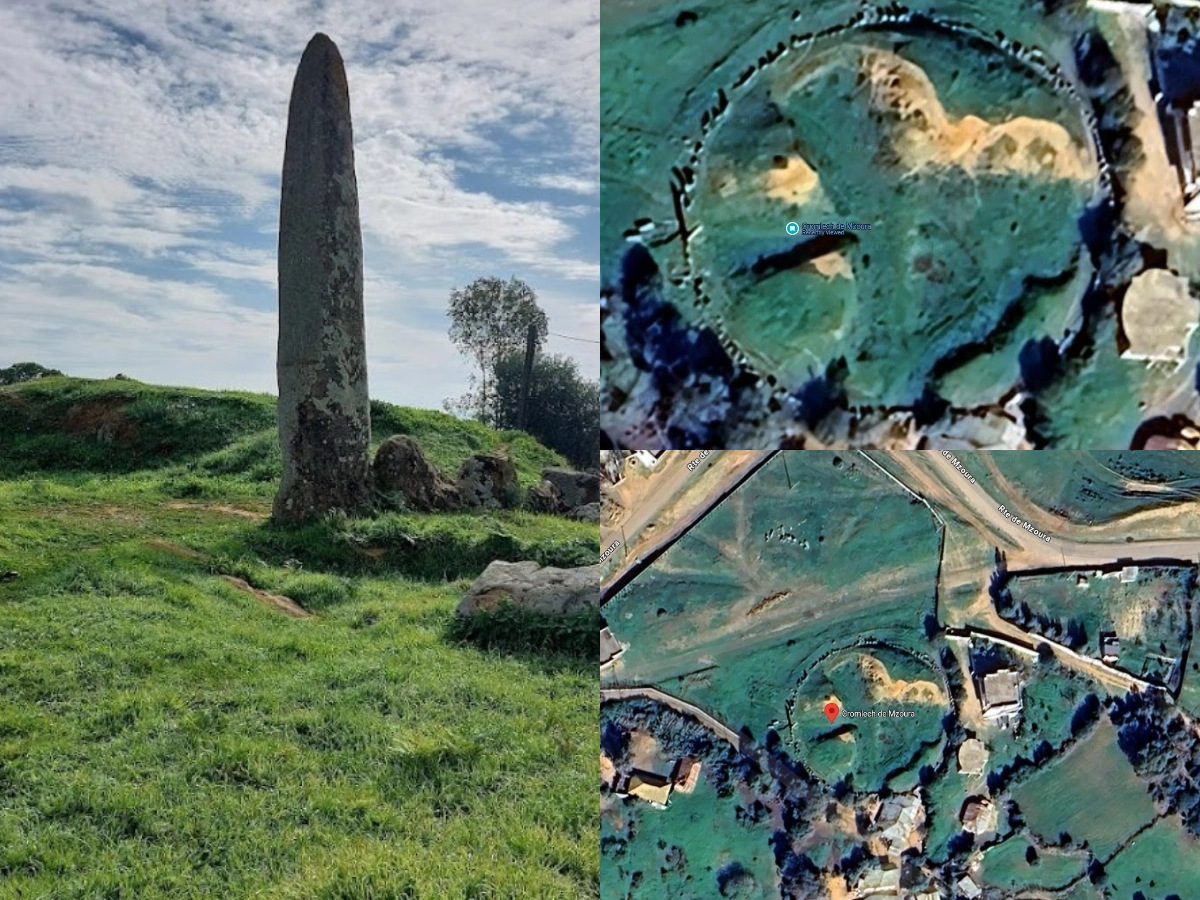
[[168, 729], [119, 425]]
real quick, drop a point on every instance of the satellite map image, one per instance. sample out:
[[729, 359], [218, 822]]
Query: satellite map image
[[919, 675], [958, 224]]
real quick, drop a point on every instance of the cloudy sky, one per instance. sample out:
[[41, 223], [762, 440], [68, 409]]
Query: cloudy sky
[[141, 143]]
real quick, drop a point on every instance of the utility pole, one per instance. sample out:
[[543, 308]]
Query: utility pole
[[527, 374]]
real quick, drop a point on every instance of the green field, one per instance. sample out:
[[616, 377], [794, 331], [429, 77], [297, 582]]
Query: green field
[[732, 614], [164, 733], [1065, 796], [1161, 861], [1149, 615], [1093, 487], [866, 748], [1005, 865], [702, 825]]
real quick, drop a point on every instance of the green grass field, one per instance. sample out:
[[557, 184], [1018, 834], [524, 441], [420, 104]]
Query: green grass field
[[1148, 615], [1005, 866], [166, 733], [1064, 796], [1161, 861], [1051, 697]]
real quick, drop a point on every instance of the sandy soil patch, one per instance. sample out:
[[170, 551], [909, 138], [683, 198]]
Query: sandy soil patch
[[835, 886], [793, 182], [884, 687], [833, 265], [643, 749], [277, 601], [1130, 622], [925, 135]]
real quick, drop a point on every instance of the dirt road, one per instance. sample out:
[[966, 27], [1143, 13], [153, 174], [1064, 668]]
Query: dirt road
[[670, 508], [936, 477]]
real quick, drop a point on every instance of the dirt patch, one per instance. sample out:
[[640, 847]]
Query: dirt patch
[[643, 749], [177, 550], [793, 180], [1130, 622], [926, 135], [833, 265], [219, 508], [607, 770], [884, 687], [104, 420], [835, 886], [277, 601], [767, 601]]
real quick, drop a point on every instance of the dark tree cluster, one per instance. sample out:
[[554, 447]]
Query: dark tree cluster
[[1161, 746], [1086, 713], [798, 876], [680, 358]]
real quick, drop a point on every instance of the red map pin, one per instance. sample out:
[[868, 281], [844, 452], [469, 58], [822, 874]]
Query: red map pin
[[832, 710]]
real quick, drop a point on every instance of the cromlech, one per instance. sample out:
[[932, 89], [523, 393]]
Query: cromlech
[[324, 410]]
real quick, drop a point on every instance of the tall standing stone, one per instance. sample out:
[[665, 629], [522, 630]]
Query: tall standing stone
[[324, 410]]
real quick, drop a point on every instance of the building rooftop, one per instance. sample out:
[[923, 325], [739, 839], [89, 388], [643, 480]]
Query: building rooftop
[[650, 787], [972, 757], [979, 816], [1158, 315], [968, 888], [1001, 689]]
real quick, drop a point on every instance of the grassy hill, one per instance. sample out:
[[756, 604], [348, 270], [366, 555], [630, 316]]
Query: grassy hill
[[197, 703]]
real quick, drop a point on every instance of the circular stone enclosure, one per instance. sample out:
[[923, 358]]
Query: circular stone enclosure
[[971, 172]]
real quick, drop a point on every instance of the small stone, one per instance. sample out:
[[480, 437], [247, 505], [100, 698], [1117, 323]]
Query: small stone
[[589, 512], [544, 498]]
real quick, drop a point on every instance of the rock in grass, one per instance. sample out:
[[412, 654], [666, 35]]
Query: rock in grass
[[544, 498], [487, 481], [575, 488], [324, 412], [532, 588], [589, 512], [400, 466]]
